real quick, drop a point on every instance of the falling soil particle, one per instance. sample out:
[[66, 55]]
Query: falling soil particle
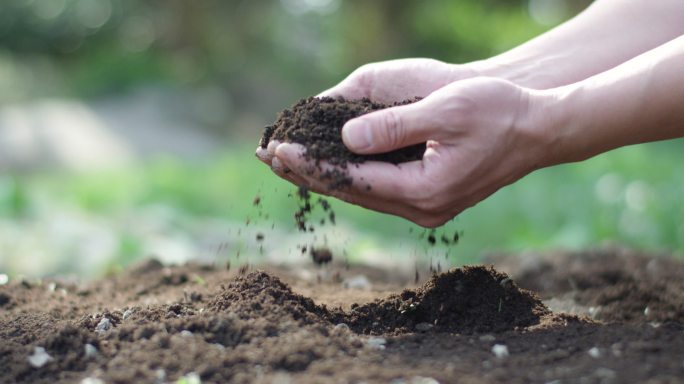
[[317, 123], [321, 255]]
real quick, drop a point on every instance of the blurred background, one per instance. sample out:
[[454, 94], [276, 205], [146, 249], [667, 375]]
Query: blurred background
[[127, 130]]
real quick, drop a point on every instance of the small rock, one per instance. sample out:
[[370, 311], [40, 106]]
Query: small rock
[[341, 327], [104, 325], [358, 282], [90, 351], [160, 374], [4, 279], [52, 287], [500, 351], [92, 380], [186, 333], [594, 352], [190, 378], [423, 327], [487, 337], [127, 313], [376, 343], [39, 357], [647, 311]]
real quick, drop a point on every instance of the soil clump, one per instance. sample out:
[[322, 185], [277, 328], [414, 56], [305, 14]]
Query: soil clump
[[317, 123]]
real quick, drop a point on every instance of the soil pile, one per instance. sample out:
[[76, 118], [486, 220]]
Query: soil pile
[[467, 300], [259, 294], [317, 123]]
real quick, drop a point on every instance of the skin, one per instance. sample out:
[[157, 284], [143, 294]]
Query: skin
[[561, 97]]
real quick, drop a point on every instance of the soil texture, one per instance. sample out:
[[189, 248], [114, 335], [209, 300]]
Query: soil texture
[[159, 324], [317, 123]]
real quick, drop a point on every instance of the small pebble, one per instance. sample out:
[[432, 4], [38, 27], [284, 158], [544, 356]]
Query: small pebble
[[92, 380], [423, 327], [500, 351], [358, 282], [127, 313], [646, 311], [104, 325], [90, 351], [185, 333], [376, 343], [594, 352], [341, 327], [191, 378], [39, 357], [4, 279]]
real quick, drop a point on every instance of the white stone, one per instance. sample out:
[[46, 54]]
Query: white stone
[[104, 325], [192, 378], [185, 333], [90, 351], [92, 380], [358, 282], [500, 351], [127, 313], [39, 358], [594, 352], [4, 279], [376, 343]]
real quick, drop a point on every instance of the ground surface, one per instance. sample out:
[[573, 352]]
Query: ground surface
[[158, 324]]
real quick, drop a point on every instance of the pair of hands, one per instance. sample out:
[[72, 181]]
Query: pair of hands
[[481, 135]]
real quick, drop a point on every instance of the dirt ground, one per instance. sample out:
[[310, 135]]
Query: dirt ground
[[602, 316]]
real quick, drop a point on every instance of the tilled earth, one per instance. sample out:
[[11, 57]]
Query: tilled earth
[[604, 316]]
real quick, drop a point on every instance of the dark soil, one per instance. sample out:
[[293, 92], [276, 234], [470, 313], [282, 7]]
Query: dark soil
[[317, 123], [158, 324]]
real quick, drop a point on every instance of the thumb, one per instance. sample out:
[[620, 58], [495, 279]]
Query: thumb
[[386, 130]]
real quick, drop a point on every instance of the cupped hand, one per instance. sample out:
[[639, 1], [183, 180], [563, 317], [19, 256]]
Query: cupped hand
[[398, 80], [385, 82], [481, 134]]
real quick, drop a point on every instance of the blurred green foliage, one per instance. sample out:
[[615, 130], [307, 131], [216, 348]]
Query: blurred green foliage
[[268, 54]]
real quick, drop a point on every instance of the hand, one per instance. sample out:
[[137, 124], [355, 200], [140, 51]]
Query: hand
[[384, 82], [481, 133], [398, 80]]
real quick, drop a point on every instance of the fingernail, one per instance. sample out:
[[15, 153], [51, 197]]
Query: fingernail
[[357, 135]]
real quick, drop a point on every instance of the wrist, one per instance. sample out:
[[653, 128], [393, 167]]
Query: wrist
[[530, 72], [559, 119]]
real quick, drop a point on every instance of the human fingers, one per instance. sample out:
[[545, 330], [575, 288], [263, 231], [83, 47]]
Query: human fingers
[[401, 183], [393, 128], [262, 155], [285, 173]]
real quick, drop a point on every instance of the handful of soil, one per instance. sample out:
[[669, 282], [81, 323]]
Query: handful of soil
[[317, 123]]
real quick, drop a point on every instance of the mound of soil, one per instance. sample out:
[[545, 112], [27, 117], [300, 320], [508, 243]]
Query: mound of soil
[[468, 300], [317, 123], [160, 324]]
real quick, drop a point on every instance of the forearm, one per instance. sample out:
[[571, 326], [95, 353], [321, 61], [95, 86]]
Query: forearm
[[639, 101], [606, 34]]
